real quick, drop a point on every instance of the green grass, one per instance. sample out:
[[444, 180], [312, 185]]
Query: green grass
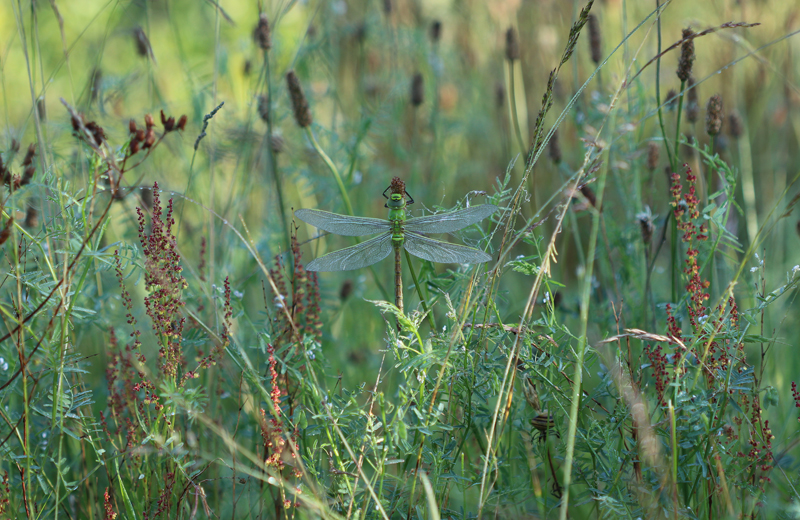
[[627, 353]]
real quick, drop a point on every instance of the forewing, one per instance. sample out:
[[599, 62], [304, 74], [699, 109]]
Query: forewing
[[342, 224], [449, 222], [354, 257], [442, 252]]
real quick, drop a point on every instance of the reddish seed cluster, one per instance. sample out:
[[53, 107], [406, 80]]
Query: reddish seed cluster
[[796, 397], [686, 215], [89, 131], [658, 363], [145, 138], [28, 169], [164, 281], [108, 508], [6, 493]]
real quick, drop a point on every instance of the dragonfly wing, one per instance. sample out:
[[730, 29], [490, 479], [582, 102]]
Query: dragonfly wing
[[354, 257], [342, 224], [442, 252], [449, 222]]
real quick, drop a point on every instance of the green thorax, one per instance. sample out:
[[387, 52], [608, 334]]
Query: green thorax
[[397, 216]]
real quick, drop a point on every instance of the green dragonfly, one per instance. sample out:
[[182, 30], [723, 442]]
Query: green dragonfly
[[398, 233]]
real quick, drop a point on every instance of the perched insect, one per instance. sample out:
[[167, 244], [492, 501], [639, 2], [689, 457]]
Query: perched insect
[[398, 233]]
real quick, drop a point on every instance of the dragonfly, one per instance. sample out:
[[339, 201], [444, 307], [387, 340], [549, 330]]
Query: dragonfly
[[398, 233]]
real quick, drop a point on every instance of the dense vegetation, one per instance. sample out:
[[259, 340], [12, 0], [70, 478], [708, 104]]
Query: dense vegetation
[[628, 352]]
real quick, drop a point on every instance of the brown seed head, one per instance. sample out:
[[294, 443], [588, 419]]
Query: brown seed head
[[29, 155], [14, 145], [594, 39], [397, 186], [346, 289], [261, 34], [512, 45], [417, 90], [554, 149], [672, 99], [27, 175], [302, 114], [692, 103], [499, 94], [143, 48], [589, 194], [714, 115], [436, 31], [687, 55], [132, 126], [6, 232], [652, 155], [277, 143], [96, 82], [31, 217], [42, 108], [263, 107], [182, 122], [735, 125], [646, 225], [149, 121]]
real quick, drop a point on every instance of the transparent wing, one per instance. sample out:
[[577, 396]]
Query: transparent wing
[[442, 252], [449, 222], [342, 224], [354, 257]]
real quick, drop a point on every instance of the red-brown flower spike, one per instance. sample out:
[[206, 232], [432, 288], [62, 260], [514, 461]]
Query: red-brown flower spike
[[182, 122], [554, 149], [692, 103], [735, 125], [302, 114], [417, 90], [512, 45], [652, 155], [687, 55], [714, 115], [262, 34], [594, 39], [149, 121], [132, 126]]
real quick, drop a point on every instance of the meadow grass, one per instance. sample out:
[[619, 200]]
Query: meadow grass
[[627, 352]]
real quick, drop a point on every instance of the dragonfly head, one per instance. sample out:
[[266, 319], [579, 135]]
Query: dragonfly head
[[396, 201]]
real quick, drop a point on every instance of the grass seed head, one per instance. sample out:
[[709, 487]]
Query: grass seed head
[[554, 149], [417, 90], [499, 94], [714, 115], [512, 45], [142, 43], [594, 39], [263, 107], [302, 114], [398, 186], [735, 125], [31, 217], [436, 31], [672, 99], [687, 55], [652, 155], [692, 103], [262, 35]]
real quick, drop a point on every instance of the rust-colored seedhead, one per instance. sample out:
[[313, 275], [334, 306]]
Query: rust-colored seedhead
[[397, 186]]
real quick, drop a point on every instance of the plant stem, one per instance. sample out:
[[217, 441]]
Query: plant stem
[[419, 291]]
